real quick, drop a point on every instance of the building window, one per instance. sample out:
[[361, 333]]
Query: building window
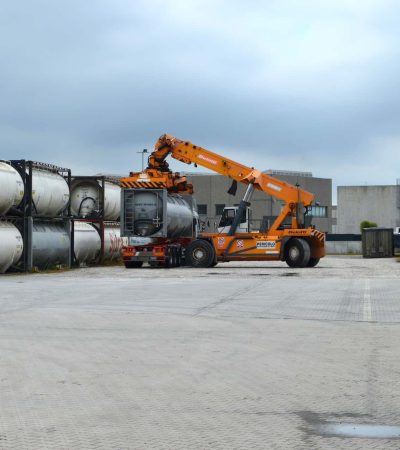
[[319, 211], [219, 209], [202, 210]]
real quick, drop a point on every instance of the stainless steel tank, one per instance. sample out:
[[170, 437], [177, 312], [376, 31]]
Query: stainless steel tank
[[155, 213], [11, 246], [85, 199], [12, 187], [50, 193], [50, 245], [113, 242], [87, 242]]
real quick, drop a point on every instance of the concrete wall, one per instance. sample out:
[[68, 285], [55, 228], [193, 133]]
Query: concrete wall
[[211, 190], [379, 204], [343, 247]]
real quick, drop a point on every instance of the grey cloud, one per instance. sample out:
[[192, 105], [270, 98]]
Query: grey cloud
[[93, 82]]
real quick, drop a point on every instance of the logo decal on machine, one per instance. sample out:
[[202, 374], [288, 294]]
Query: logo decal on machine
[[266, 244], [221, 242], [274, 186], [143, 178], [240, 243], [206, 158]]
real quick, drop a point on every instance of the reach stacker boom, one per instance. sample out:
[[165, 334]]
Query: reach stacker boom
[[290, 238]]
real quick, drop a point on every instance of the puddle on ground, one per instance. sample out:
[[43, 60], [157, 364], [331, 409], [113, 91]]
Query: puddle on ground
[[320, 424], [218, 273], [355, 430]]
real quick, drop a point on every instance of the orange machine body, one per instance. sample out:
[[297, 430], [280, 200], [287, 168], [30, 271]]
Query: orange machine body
[[251, 246]]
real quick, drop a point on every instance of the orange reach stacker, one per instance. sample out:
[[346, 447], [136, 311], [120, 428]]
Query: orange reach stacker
[[289, 238]]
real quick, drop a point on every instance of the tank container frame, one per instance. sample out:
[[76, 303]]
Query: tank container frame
[[97, 220], [24, 217]]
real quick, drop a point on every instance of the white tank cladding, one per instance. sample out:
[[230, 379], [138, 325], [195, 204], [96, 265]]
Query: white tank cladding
[[12, 187], [87, 242], [11, 246], [113, 242], [50, 244], [50, 193], [85, 199]]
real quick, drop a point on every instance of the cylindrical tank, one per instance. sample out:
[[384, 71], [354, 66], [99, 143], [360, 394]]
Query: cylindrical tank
[[87, 242], [50, 192], [85, 199], [50, 245], [113, 242], [11, 246], [12, 187], [148, 213]]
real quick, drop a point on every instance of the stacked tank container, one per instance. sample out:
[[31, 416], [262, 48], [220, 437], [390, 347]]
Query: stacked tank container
[[95, 207], [35, 223], [48, 219]]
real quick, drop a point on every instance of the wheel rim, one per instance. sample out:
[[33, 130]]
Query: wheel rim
[[198, 254], [294, 253]]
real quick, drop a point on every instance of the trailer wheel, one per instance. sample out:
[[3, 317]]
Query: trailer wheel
[[313, 262], [133, 264], [297, 253], [169, 259], [178, 257], [174, 256], [200, 253]]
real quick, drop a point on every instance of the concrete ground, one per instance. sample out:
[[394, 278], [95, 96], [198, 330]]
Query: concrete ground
[[240, 356]]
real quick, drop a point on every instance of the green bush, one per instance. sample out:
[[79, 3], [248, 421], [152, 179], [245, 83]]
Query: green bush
[[367, 224]]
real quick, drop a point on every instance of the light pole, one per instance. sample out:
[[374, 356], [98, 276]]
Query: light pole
[[143, 152]]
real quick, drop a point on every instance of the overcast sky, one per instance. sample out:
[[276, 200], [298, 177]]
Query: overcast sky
[[296, 85]]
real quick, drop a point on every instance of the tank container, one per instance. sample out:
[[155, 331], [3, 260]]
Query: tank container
[[113, 242], [11, 246], [12, 188], [86, 199], [50, 244], [50, 193], [87, 242], [155, 213]]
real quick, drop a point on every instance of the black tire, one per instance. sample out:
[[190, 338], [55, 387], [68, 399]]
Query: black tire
[[200, 253], [313, 262], [178, 257], [169, 260], [174, 257], [133, 264], [297, 253], [154, 264]]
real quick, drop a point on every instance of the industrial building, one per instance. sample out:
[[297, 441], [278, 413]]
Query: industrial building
[[211, 195], [379, 204]]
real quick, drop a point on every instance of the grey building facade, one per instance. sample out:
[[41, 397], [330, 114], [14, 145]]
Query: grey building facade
[[380, 204], [211, 195]]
